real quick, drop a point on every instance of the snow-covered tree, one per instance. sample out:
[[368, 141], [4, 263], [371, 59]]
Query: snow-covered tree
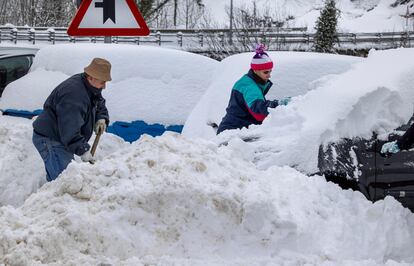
[[402, 2], [57, 13], [326, 25], [168, 13], [37, 12]]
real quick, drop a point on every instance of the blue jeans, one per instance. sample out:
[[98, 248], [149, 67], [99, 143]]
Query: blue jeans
[[54, 155]]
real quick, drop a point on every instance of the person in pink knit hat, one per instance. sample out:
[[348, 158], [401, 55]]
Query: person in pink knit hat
[[247, 104]]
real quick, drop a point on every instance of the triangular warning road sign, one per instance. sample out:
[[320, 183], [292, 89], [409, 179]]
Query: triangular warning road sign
[[108, 18]]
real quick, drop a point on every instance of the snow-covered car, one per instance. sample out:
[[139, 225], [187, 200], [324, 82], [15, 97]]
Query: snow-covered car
[[379, 109], [357, 163], [152, 88], [15, 62]]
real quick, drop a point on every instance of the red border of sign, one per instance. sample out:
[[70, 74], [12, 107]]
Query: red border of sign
[[74, 29]]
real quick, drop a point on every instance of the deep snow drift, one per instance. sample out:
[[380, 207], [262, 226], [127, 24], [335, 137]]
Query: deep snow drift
[[171, 201]]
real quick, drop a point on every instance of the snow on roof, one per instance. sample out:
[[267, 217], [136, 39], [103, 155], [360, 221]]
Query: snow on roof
[[153, 84]]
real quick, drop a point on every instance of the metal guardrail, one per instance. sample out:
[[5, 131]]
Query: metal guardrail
[[197, 39]]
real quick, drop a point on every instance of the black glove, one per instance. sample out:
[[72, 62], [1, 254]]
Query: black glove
[[272, 104]]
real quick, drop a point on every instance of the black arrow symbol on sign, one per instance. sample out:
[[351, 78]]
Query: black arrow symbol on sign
[[108, 9]]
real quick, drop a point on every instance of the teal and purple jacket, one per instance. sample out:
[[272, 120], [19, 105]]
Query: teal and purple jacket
[[247, 104]]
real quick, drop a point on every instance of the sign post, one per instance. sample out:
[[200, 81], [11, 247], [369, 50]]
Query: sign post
[[108, 18]]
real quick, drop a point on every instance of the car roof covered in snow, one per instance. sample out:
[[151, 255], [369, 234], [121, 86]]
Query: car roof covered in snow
[[153, 84], [16, 51]]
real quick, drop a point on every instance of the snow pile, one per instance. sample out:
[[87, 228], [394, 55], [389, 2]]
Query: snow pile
[[21, 167], [171, 201], [356, 16], [148, 83]]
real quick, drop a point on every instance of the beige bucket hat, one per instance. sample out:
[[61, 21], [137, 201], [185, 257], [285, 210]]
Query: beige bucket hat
[[100, 69]]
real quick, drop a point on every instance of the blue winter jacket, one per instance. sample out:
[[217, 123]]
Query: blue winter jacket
[[247, 104], [70, 112]]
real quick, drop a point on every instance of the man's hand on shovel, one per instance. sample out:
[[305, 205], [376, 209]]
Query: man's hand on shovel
[[100, 127]]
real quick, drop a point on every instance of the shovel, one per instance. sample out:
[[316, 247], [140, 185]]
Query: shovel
[[95, 144]]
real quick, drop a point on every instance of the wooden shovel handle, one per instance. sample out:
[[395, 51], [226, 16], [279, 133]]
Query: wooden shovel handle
[[95, 143]]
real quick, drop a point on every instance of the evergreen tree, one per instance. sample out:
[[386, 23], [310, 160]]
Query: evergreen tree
[[326, 34]]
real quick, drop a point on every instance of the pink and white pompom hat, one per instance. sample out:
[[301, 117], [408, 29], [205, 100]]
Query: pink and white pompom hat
[[261, 60]]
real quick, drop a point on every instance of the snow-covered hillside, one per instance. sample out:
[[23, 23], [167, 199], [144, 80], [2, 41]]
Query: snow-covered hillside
[[356, 15]]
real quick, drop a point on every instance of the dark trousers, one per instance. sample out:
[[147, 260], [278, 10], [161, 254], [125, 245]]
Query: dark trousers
[[54, 155]]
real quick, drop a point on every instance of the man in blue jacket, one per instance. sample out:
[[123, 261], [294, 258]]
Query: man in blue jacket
[[247, 104], [71, 113]]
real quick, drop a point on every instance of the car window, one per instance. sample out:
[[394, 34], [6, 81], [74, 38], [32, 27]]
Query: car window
[[13, 68]]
